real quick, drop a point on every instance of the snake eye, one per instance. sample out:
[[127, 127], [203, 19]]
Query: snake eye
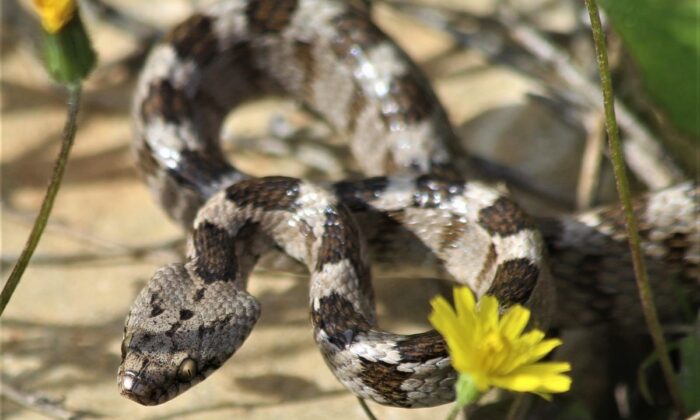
[[187, 370], [125, 343]]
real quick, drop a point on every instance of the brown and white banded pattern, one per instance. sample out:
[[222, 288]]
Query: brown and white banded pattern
[[326, 54], [190, 318], [196, 315]]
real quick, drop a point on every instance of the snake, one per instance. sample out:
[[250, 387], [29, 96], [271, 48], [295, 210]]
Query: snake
[[420, 207]]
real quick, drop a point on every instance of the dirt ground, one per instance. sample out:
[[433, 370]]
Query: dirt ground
[[61, 333]]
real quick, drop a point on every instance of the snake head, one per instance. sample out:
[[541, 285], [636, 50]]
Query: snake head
[[179, 330]]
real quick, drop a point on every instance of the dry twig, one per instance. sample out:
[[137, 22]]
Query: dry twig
[[38, 403], [590, 161]]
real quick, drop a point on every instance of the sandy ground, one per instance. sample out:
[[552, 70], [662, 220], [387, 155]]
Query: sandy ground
[[61, 333]]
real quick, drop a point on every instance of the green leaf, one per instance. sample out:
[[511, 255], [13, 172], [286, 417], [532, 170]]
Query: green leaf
[[690, 371], [662, 37], [689, 375]]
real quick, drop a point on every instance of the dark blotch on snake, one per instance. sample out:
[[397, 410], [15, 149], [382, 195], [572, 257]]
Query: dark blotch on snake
[[354, 29], [215, 258], [156, 310], [386, 379], [514, 281], [419, 348], [185, 314], [413, 100], [165, 101], [198, 295], [339, 319], [270, 16], [173, 328], [194, 39], [269, 193], [303, 52], [504, 218], [210, 329], [196, 168], [550, 228], [203, 330], [357, 194]]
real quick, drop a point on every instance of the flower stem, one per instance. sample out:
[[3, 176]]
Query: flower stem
[[645, 293], [465, 392], [519, 404], [452, 415], [366, 409], [46, 206]]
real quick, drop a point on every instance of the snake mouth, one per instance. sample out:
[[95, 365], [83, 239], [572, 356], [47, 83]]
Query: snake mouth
[[136, 390]]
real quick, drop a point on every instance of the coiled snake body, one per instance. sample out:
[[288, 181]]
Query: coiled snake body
[[190, 318]]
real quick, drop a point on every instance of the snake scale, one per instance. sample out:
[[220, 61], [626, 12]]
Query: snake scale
[[413, 211]]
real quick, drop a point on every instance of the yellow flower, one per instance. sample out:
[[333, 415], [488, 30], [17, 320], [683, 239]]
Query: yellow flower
[[55, 13], [493, 350]]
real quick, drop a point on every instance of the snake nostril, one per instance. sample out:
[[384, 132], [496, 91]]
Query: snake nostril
[[129, 382], [136, 389]]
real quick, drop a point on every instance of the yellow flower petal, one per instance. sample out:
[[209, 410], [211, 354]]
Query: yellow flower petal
[[521, 383], [464, 306], [55, 13], [534, 383], [464, 300], [531, 338], [543, 368], [444, 320], [555, 383], [487, 312], [514, 322], [542, 349], [443, 317]]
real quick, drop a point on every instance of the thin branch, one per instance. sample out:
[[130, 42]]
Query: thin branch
[[518, 408], [591, 160], [112, 248], [156, 252], [41, 404], [640, 271], [366, 409], [46, 206]]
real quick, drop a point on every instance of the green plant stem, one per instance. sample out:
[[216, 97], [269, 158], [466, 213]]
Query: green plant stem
[[645, 293], [366, 409], [46, 206], [514, 412], [452, 415]]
